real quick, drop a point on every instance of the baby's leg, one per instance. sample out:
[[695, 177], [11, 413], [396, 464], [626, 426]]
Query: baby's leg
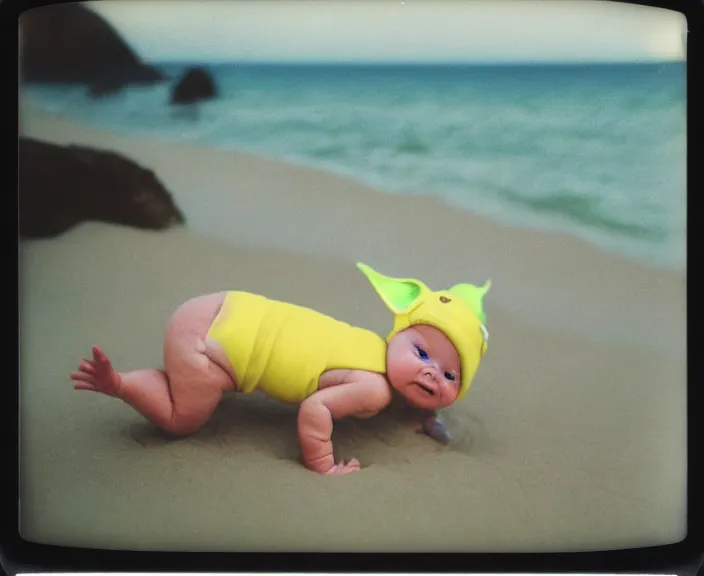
[[179, 399]]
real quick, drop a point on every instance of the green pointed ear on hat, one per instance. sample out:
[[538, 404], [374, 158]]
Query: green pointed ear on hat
[[473, 296], [399, 294]]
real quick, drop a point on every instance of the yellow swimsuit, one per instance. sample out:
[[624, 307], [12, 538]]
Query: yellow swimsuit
[[282, 349]]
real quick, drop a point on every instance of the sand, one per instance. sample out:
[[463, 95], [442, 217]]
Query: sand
[[571, 438]]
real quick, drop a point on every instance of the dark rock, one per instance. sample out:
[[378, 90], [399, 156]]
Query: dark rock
[[68, 43], [105, 88], [195, 84], [61, 186]]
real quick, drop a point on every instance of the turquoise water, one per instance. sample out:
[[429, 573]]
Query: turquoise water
[[596, 151]]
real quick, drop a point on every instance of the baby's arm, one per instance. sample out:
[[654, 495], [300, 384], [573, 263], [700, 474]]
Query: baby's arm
[[365, 395]]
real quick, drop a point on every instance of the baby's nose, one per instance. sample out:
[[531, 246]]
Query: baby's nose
[[430, 372]]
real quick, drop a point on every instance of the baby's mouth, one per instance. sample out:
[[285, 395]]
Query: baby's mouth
[[427, 389]]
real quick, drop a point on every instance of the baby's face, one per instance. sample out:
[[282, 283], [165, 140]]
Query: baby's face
[[423, 366]]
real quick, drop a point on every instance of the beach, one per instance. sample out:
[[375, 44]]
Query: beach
[[572, 436]]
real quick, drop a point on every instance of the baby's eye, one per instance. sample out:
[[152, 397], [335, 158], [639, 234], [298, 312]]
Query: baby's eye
[[449, 376], [422, 353]]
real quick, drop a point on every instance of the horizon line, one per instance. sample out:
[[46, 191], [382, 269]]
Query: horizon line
[[409, 63]]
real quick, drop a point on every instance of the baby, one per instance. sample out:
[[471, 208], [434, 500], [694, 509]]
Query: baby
[[236, 341]]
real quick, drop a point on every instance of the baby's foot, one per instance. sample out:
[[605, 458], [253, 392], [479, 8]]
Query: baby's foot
[[97, 375]]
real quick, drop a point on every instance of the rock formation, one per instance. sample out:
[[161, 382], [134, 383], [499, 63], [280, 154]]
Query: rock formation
[[68, 43], [61, 186], [195, 84]]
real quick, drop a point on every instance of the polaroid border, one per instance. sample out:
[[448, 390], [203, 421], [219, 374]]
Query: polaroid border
[[685, 557]]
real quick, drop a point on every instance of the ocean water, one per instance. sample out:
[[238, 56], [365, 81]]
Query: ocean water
[[596, 151]]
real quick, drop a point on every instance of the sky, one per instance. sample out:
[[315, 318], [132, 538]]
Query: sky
[[450, 31]]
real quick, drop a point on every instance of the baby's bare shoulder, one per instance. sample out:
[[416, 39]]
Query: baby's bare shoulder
[[375, 387], [370, 378], [362, 393]]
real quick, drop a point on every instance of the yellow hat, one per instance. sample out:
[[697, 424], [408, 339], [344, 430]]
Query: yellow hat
[[458, 312]]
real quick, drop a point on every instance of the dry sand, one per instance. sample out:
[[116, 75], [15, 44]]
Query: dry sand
[[571, 438]]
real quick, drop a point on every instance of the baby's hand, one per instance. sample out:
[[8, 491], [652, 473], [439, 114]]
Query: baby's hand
[[342, 468], [434, 427]]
